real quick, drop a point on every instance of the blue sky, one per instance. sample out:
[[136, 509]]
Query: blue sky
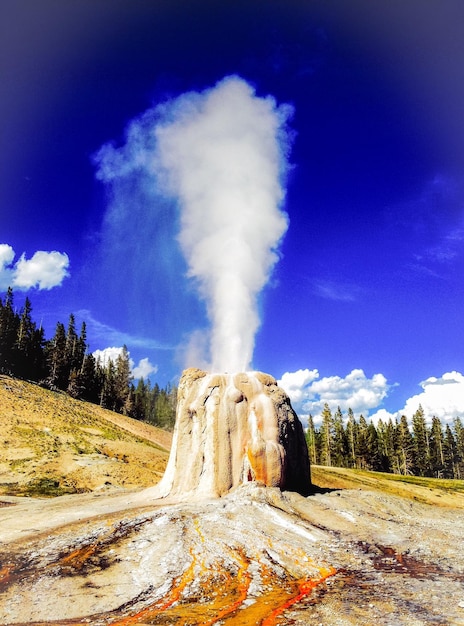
[[363, 304]]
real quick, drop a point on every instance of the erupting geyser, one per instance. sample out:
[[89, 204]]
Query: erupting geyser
[[223, 154], [233, 429]]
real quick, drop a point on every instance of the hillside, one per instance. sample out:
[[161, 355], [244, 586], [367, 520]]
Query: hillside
[[51, 444]]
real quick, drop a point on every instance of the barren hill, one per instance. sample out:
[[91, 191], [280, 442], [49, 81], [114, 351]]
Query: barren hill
[[51, 444]]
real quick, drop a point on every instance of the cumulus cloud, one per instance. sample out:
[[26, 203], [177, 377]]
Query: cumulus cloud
[[309, 393], [442, 397], [107, 354], [43, 270], [142, 370], [296, 384]]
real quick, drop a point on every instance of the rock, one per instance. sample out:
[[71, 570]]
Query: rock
[[232, 429]]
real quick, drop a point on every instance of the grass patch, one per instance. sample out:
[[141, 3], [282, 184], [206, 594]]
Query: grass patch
[[445, 484], [43, 487], [437, 491]]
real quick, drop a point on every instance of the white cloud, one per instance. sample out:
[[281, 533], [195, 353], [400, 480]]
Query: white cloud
[[295, 384], [142, 370], [6, 255], [6, 258], [43, 270], [308, 393], [441, 397], [107, 354]]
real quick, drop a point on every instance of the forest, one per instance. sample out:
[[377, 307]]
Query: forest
[[64, 363], [435, 450]]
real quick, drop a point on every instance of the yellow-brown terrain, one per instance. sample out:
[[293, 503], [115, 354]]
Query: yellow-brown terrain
[[51, 444]]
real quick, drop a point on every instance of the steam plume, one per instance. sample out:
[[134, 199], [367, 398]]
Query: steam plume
[[223, 155]]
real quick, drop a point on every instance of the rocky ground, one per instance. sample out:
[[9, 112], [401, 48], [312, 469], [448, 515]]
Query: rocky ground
[[255, 556], [363, 550]]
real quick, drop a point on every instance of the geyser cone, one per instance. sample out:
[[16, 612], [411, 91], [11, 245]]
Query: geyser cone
[[233, 429]]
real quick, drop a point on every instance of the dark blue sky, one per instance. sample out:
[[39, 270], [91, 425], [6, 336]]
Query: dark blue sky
[[370, 275]]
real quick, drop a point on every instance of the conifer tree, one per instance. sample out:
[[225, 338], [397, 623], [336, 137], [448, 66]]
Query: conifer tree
[[459, 437], [362, 444], [24, 344], [58, 370], [405, 451], [311, 440], [374, 457], [340, 443], [122, 381], [437, 458], [421, 444], [351, 437], [90, 380], [450, 453], [140, 397], [326, 436], [9, 323], [108, 389]]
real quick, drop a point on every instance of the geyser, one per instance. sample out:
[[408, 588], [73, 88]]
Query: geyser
[[222, 154], [231, 430]]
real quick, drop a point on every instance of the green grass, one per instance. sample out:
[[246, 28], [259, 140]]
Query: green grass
[[445, 484], [415, 487]]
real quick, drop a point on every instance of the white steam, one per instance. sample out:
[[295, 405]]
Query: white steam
[[222, 154]]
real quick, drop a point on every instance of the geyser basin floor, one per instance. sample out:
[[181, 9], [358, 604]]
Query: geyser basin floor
[[255, 556]]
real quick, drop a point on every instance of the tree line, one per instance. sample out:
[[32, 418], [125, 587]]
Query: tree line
[[394, 446], [64, 363]]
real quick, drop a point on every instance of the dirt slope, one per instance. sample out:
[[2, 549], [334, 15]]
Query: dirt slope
[[51, 444]]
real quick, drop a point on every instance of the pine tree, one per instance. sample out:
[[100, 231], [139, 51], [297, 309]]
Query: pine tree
[[405, 451], [386, 444], [421, 444], [437, 459], [351, 434], [140, 399], [122, 381], [459, 437], [374, 457], [450, 454], [311, 440], [58, 369], [24, 343], [108, 389], [340, 442], [90, 380], [326, 436], [9, 323], [362, 444]]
